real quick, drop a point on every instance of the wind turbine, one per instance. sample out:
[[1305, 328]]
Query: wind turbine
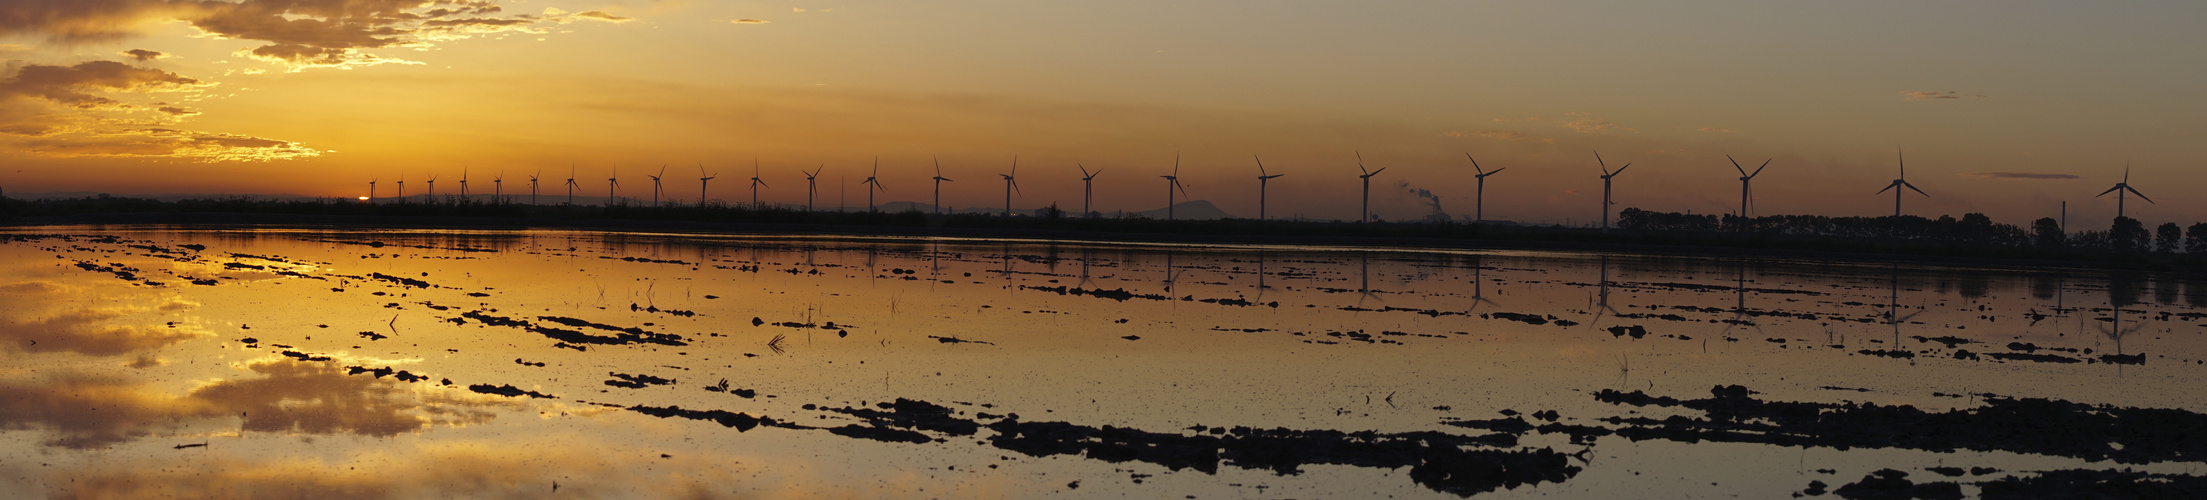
[[1747, 190], [702, 180], [613, 186], [570, 184], [532, 186], [498, 187], [1901, 183], [657, 188], [873, 182], [812, 187], [463, 184], [1262, 181], [1172, 182], [755, 183], [1606, 175], [939, 180], [1088, 188], [2122, 189], [1479, 207], [371, 190], [1365, 213], [402, 188], [1011, 185], [432, 189]]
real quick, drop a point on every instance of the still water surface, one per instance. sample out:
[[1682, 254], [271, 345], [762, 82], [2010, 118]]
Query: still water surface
[[143, 362]]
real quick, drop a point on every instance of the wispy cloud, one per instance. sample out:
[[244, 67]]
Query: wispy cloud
[[2018, 175], [1715, 129], [1507, 135], [749, 21], [143, 55], [1591, 126], [1908, 95]]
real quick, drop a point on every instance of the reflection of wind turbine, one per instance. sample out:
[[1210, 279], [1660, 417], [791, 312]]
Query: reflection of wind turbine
[[939, 180], [1747, 190], [1263, 180], [2117, 332], [1901, 183], [1088, 188], [703, 179], [1892, 306], [1172, 182], [873, 183], [1601, 294], [1365, 214], [1364, 283], [2122, 189], [1479, 208], [1478, 285], [1011, 185], [1606, 175], [1739, 309]]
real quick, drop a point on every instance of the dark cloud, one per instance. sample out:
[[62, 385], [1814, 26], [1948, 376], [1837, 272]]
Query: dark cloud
[[176, 111], [204, 146], [72, 85], [143, 55], [299, 33], [70, 112], [2019, 175]]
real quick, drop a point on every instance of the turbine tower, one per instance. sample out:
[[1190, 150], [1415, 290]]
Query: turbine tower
[[2120, 190], [703, 179], [570, 186], [939, 180], [873, 183], [755, 183], [402, 188], [1011, 185], [1262, 181], [371, 190], [656, 187], [812, 186], [463, 184], [1088, 188], [1365, 213], [1902, 182], [1479, 206], [613, 186], [1747, 189], [498, 188], [532, 186], [432, 189], [1172, 182], [1606, 175]]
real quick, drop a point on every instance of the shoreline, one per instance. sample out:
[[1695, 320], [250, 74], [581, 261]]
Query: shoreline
[[220, 220]]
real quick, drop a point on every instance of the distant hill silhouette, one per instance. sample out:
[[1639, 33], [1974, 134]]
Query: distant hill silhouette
[[1191, 210]]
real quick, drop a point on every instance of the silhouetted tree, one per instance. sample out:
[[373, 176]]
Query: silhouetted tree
[[2197, 241], [2168, 237], [2127, 235], [2050, 233]]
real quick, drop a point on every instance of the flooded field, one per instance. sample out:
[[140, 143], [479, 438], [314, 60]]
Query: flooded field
[[150, 362]]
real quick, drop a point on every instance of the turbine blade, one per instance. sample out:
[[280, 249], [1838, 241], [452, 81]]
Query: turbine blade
[[1759, 170], [1888, 187], [1475, 164], [2118, 187], [1498, 170], [2141, 196], [1912, 187], [1260, 166], [1598, 159], [1360, 164], [1621, 170], [1736, 165]]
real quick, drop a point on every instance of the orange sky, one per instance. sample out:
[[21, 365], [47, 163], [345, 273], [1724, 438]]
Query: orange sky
[[249, 96]]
